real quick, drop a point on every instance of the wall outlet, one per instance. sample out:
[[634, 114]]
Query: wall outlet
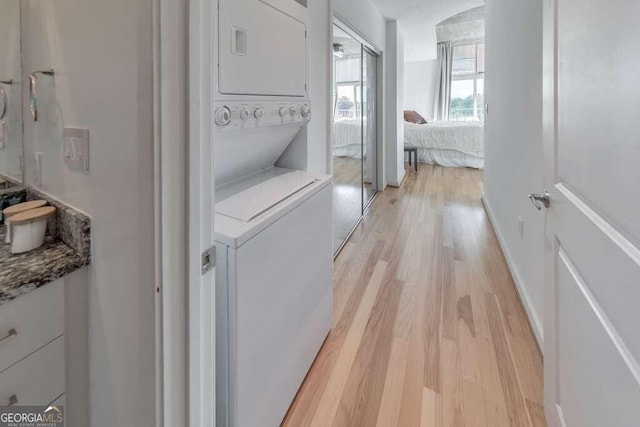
[[521, 227], [4, 135], [76, 148]]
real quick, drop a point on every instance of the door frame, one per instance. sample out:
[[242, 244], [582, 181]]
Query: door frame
[[367, 51], [549, 135], [202, 352], [184, 193]]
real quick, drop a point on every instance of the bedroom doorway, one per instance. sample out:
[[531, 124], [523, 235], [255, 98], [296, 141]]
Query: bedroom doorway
[[354, 136]]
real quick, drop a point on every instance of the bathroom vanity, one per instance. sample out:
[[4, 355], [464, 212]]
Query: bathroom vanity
[[32, 308]]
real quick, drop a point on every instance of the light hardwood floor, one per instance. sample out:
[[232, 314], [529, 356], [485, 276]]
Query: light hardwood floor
[[347, 197], [348, 192], [428, 327]]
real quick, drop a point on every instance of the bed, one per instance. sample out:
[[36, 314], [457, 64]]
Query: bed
[[450, 144]]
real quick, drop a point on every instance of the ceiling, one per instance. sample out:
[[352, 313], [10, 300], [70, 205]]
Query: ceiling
[[350, 46], [418, 19]]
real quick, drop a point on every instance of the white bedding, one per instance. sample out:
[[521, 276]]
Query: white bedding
[[453, 144], [347, 139]]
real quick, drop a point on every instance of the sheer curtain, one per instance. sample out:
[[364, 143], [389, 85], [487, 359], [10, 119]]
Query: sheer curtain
[[443, 89]]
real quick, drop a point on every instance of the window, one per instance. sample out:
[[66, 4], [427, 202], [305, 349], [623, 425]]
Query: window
[[467, 82]]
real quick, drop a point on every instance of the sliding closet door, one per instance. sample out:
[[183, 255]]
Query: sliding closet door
[[347, 135], [369, 84]]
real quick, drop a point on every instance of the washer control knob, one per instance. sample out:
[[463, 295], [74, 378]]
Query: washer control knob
[[258, 113], [305, 111], [282, 112], [223, 116], [293, 111], [244, 114]]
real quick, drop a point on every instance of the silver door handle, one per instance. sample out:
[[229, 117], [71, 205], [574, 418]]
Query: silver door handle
[[538, 198]]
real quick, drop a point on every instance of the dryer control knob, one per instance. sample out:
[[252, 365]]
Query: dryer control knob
[[305, 111], [258, 113], [293, 111], [223, 116], [244, 114], [282, 112]]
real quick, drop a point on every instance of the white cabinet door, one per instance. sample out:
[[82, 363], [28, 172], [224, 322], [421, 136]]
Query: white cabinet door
[[592, 144]]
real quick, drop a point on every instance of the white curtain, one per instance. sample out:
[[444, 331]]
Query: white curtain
[[443, 88]]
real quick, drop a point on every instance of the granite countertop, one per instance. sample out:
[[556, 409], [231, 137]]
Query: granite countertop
[[22, 273]]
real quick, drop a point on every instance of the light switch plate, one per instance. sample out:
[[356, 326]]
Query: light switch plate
[[76, 148]]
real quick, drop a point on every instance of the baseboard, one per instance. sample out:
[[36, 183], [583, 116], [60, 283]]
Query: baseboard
[[398, 184], [525, 297]]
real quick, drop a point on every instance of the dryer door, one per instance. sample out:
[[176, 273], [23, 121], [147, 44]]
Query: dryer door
[[263, 49]]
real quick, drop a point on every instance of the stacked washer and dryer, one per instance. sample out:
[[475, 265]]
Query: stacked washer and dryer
[[273, 224]]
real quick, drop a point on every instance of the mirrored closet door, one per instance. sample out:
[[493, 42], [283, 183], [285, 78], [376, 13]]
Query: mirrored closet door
[[354, 138], [369, 124]]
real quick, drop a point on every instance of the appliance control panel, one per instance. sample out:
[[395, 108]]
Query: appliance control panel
[[249, 115]]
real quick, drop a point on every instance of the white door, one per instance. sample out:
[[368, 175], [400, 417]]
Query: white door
[[201, 197], [592, 144]]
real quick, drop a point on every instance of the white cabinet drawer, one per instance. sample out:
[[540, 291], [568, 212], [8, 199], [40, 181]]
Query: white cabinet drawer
[[36, 380], [30, 321]]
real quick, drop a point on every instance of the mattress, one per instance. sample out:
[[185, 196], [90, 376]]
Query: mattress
[[347, 139], [452, 144], [449, 158]]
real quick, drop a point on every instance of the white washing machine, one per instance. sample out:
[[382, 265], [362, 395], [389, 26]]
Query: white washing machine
[[273, 219], [274, 297]]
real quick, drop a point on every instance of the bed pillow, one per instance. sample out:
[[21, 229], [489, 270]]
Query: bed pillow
[[413, 117]]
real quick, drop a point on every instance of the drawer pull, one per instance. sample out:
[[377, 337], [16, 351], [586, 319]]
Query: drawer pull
[[13, 400], [12, 334]]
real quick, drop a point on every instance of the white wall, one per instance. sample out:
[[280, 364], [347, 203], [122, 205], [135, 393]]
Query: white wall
[[513, 139], [420, 87], [394, 102], [364, 17], [320, 86], [102, 55]]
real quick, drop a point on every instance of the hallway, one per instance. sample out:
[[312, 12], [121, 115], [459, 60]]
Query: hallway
[[428, 326]]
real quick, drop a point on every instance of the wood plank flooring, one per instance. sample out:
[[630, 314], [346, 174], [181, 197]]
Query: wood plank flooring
[[348, 192], [347, 197], [428, 326]]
